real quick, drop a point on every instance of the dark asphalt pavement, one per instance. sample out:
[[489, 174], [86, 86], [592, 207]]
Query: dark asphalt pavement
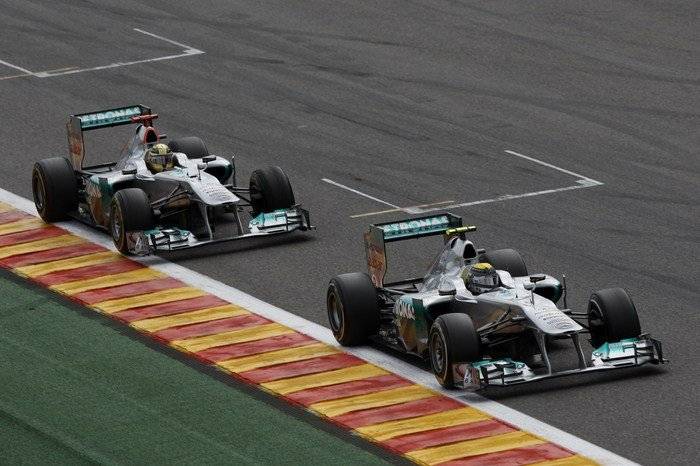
[[415, 102]]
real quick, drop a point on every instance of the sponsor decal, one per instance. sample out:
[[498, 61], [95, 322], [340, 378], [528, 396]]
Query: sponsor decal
[[75, 144], [178, 172], [94, 200], [375, 254], [468, 379], [506, 294], [471, 377], [404, 308], [410, 227], [118, 115], [137, 243], [562, 325], [376, 257], [554, 318]]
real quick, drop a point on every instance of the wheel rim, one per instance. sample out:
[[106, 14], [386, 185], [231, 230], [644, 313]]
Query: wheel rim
[[116, 225], [335, 313], [438, 353], [39, 192]]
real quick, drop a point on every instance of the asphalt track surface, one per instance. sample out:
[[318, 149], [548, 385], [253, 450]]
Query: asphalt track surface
[[416, 102]]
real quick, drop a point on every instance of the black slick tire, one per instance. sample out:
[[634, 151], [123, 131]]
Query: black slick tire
[[353, 308], [130, 211], [612, 316], [270, 190], [452, 339], [55, 188]]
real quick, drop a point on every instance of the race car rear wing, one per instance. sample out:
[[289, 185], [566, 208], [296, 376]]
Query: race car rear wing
[[96, 120], [381, 233]]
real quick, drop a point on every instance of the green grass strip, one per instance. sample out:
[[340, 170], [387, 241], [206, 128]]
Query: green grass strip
[[75, 389]]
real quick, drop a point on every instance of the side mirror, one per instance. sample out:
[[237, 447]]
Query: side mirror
[[537, 278], [201, 166], [129, 171], [529, 286], [208, 158]]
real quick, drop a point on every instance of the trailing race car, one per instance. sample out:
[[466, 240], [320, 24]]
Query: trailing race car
[[160, 197], [478, 316]]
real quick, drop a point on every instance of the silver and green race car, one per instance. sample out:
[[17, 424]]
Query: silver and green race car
[[194, 203], [475, 340]]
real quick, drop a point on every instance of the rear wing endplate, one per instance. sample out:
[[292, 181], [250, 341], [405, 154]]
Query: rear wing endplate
[[381, 233], [96, 120]]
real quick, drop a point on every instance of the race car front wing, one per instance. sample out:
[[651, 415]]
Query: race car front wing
[[630, 352], [265, 224]]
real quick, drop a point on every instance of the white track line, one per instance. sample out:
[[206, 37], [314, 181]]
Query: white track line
[[410, 210], [347, 188], [188, 51], [323, 334], [165, 39], [507, 197], [582, 182], [48, 74], [563, 170], [18, 68]]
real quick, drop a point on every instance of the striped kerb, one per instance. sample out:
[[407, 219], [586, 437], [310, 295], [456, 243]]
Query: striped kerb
[[385, 408]]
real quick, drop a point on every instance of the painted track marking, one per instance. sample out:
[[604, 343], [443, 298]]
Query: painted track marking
[[25, 75], [352, 190], [187, 51], [18, 68], [317, 367], [581, 182], [411, 209], [554, 167]]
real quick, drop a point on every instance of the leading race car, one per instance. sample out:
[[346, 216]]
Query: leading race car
[[161, 197], [478, 316]]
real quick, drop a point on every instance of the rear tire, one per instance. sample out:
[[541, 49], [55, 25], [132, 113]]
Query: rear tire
[[131, 211], [192, 146], [612, 316], [270, 190], [452, 339], [353, 308], [55, 188], [509, 260]]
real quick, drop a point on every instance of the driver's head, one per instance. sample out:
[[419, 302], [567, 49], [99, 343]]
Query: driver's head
[[159, 158], [481, 277]]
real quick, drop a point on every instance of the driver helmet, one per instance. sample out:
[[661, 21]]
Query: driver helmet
[[159, 158], [481, 278]]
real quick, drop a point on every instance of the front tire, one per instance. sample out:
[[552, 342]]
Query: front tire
[[353, 308], [612, 316], [55, 188], [509, 260], [452, 339], [270, 190], [130, 211]]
